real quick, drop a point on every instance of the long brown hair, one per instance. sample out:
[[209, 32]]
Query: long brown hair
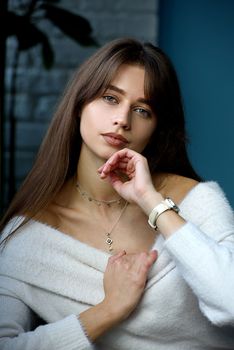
[[59, 153]]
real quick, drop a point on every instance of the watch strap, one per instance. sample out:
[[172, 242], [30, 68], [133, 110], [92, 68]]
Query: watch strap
[[166, 204]]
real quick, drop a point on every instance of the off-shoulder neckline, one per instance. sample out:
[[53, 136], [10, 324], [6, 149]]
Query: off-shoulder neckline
[[190, 193]]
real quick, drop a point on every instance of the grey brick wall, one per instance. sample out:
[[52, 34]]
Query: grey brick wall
[[38, 90]]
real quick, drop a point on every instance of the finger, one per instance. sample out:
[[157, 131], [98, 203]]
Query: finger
[[153, 255], [112, 162], [124, 155], [148, 259], [126, 152], [106, 168], [122, 167], [145, 263], [125, 160], [100, 169], [110, 167], [115, 257], [115, 181], [115, 158]]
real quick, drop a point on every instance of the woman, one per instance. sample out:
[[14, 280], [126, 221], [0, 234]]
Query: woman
[[95, 251]]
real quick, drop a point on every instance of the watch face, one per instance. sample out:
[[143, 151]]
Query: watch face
[[172, 204]]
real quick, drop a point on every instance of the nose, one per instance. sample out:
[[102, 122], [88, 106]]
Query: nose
[[123, 119]]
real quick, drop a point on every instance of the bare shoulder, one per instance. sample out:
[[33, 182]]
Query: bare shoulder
[[174, 186], [51, 215], [48, 216]]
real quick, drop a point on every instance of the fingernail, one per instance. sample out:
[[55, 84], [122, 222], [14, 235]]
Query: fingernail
[[122, 252], [155, 251]]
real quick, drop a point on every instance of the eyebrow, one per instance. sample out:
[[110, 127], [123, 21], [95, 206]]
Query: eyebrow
[[122, 92]]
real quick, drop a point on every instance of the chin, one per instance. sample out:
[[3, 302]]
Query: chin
[[106, 155], [103, 154], [108, 152]]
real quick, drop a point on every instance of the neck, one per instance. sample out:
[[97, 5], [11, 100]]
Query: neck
[[90, 182], [89, 179]]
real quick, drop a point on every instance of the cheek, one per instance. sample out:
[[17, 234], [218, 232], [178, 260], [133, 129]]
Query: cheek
[[82, 128], [144, 136], [146, 131], [152, 129], [86, 124], [94, 115], [89, 118], [93, 121]]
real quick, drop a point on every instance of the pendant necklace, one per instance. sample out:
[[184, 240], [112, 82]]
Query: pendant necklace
[[109, 240]]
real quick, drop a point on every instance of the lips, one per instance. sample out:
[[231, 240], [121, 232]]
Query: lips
[[115, 139]]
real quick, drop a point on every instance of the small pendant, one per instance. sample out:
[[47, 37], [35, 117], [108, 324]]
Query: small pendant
[[109, 241]]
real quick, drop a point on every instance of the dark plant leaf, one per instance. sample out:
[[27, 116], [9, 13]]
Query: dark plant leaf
[[47, 53], [51, 1], [73, 25], [12, 22], [27, 33]]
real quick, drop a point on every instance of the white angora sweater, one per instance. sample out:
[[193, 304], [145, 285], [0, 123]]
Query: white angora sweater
[[47, 276]]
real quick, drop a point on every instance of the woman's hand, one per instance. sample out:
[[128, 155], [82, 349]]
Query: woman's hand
[[124, 281], [139, 187]]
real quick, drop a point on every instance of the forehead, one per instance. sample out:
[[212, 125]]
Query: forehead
[[130, 78]]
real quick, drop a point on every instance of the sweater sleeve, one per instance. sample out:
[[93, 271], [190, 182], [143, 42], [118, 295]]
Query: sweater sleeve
[[17, 322], [205, 258]]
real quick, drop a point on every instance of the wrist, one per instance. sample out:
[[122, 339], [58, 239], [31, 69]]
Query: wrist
[[158, 210], [110, 312], [149, 200], [97, 320]]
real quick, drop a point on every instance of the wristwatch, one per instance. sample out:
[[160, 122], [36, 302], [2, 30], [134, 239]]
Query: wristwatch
[[166, 204]]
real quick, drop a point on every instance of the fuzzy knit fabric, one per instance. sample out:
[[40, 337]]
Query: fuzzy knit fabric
[[48, 278]]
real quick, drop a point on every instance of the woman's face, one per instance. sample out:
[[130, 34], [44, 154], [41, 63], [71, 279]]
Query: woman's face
[[120, 117]]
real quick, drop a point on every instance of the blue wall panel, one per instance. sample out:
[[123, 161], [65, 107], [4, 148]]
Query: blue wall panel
[[198, 35]]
